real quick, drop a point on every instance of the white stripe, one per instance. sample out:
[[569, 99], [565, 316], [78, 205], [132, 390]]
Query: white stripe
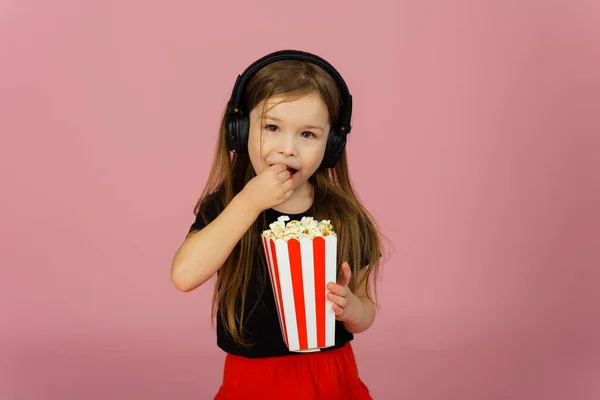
[[275, 290], [330, 276], [285, 277], [308, 280]]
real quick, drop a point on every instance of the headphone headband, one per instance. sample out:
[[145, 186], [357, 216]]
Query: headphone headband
[[241, 81]]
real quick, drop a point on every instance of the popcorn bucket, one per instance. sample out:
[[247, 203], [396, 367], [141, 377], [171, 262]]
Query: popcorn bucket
[[299, 271]]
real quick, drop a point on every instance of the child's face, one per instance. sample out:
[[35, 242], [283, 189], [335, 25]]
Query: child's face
[[293, 133]]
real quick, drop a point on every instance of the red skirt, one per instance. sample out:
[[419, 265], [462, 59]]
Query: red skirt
[[331, 375]]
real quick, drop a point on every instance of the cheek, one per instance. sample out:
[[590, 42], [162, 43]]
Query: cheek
[[254, 150], [320, 151], [315, 157]]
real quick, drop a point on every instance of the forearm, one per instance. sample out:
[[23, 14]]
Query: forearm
[[365, 319], [205, 251]]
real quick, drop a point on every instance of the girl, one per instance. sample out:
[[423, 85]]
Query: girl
[[281, 151]]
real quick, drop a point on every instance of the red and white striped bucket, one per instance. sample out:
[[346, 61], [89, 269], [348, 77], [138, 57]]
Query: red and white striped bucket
[[299, 272]]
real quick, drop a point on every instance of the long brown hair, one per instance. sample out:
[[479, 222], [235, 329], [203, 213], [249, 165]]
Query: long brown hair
[[334, 197]]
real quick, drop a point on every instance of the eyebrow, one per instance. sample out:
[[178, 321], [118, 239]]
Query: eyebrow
[[305, 126]]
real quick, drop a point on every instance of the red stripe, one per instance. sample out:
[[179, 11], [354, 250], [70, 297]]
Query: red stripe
[[298, 286], [276, 268], [264, 239], [273, 283], [319, 261]]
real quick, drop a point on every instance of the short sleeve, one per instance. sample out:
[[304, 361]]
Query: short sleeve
[[210, 208]]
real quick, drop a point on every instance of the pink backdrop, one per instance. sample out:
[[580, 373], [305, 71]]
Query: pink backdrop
[[475, 145]]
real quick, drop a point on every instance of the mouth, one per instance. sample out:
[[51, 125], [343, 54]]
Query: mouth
[[291, 170]]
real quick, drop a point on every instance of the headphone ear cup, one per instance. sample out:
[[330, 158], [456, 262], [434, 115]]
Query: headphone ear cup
[[237, 133], [336, 142]]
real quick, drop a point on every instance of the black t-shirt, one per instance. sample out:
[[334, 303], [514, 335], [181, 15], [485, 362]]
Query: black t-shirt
[[261, 322]]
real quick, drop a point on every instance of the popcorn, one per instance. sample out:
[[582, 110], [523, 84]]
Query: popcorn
[[307, 227], [301, 258]]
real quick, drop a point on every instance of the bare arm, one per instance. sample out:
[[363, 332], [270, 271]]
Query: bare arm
[[203, 252], [366, 316]]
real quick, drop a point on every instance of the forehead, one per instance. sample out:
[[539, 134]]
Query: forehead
[[307, 108]]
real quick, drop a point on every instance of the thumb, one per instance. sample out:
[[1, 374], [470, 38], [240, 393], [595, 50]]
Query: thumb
[[344, 278]]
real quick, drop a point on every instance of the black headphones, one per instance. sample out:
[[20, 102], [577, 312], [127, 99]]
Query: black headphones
[[238, 123]]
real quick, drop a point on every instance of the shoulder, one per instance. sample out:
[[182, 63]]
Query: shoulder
[[212, 204], [209, 209]]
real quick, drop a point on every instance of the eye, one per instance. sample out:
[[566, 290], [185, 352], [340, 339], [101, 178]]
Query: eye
[[271, 128], [310, 135]]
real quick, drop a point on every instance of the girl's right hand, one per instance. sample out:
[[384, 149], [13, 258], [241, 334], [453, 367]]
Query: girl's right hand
[[270, 188]]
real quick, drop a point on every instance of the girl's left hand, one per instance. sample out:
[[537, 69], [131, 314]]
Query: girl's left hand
[[346, 305]]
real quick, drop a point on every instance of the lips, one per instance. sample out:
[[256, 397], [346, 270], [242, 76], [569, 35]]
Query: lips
[[291, 168]]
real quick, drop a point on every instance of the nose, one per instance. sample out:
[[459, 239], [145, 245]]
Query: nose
[[287, 145]]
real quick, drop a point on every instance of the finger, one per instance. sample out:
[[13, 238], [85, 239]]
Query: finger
[[288, 194], [338, 311], [284, 175], [278, 168], [337, 289], [345, 276], [288, 185], [339, 300]]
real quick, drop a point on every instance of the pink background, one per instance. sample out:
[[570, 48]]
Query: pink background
[[475, 145]]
